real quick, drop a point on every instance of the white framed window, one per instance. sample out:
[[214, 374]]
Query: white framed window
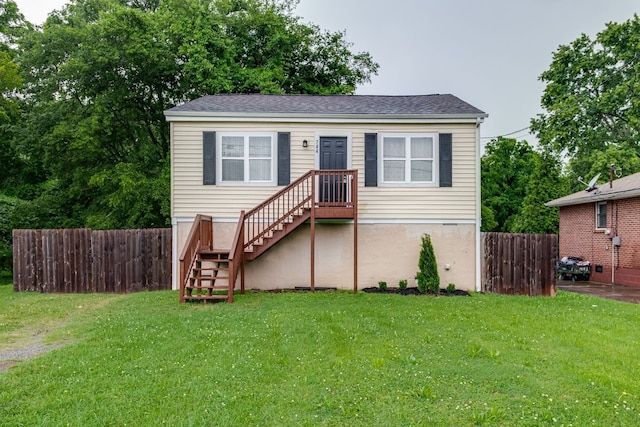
[[601, 215], [409, 158], [247, 158]]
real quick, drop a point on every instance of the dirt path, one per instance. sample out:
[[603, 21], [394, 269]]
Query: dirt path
[[8, 358]]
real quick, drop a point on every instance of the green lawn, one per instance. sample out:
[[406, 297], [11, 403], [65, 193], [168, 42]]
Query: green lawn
[[333, 359]]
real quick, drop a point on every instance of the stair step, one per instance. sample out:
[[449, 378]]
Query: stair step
[[212, 259], [210, 268], [221, 279], [205, 297], [218, 287], [215, 251], [214, 254]]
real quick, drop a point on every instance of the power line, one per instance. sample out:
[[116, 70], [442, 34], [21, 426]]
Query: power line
[[506, 134]]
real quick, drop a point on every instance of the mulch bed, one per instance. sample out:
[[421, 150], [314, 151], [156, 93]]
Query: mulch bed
[[414, 291], [371, 290]]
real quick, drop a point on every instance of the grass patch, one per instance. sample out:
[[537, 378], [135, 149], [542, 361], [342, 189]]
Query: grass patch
[[327, 359], [27, 317]]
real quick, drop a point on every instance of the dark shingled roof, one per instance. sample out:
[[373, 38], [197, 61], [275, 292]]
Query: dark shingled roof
[[413, 105]]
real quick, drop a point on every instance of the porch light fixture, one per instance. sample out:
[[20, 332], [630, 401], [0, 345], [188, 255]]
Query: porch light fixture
[[305, 143]]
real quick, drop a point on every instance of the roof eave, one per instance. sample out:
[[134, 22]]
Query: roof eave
[[202, 116], [592, 198]]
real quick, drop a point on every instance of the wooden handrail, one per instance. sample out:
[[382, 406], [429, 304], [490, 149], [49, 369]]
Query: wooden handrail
[[314, 189], [236, 257], [280, 193], [268, 215], [200, 238]]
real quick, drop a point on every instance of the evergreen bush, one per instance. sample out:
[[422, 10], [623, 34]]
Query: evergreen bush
[[428, 278]]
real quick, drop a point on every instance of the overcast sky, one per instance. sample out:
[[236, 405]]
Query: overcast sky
[[487, 52]]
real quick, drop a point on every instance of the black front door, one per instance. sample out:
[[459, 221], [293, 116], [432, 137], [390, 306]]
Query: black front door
[[333, 155]]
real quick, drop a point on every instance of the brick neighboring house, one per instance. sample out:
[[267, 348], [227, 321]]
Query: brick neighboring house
[[591, 222]]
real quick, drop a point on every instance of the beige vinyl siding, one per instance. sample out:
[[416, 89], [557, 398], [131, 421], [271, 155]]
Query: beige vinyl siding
[[448, 204]]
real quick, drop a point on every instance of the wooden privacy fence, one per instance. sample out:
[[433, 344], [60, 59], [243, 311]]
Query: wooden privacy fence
[[81, 260], [519, 264]]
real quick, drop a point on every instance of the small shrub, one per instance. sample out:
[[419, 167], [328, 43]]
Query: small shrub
[[402, 284], [428, 278], [383, 285], [451, 288]]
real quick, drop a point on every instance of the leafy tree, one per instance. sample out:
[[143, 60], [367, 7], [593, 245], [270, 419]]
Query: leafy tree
[[623, 156], [488, 219], [10, 80], [13, 171], [101, 73], [545, 184], [506, 169], [11, 25], [7, 209], [591, 97]]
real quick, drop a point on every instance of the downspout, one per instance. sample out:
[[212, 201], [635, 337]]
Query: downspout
[[174, 252], [613, 260], [479, 120], [614, 229], [174, 220]]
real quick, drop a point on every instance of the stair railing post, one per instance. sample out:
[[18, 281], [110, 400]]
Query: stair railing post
[[313, 230], [242, 255], [200, 234], [354, 203], [183, 278]]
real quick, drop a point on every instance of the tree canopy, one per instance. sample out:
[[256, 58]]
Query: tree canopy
[[101, 72], [83, 95], [517, 181], [505, 170], [544, 184], [592, 100]]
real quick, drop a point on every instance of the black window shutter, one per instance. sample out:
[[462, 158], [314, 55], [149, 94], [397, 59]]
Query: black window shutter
[[446, 157], [209, 158], [284, 158], [370, 159]]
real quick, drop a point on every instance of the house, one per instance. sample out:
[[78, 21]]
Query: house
[[345, 184], [602, 225]]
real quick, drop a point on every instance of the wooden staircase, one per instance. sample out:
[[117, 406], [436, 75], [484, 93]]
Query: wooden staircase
[[211, 274], [209, 279], [267, 240]]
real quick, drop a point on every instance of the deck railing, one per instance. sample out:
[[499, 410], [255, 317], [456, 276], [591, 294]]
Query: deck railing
[[316, 189], [336, 188]]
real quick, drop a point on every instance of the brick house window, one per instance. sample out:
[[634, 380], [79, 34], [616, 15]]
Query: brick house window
[[601, 215]]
